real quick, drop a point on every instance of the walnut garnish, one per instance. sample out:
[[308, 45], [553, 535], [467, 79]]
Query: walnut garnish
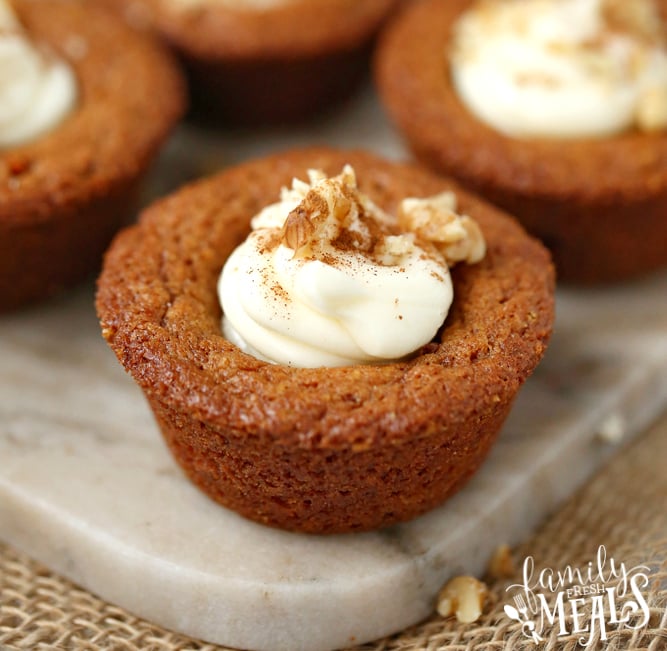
[[394, 248], [300, 188], [637, 18], [501, 564], [298, 229], [458, 238], [332, 217], [463, 596]]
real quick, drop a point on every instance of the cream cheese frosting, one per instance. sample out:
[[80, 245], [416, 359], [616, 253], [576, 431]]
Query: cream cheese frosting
[[562, 68], [37, 89], [326, 278]]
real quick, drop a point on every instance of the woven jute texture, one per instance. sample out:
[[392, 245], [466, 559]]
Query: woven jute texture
[[624, 508]]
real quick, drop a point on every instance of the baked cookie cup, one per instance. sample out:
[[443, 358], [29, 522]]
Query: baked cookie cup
[[599, 204], [320, 450], [272, 62], [65, 193]]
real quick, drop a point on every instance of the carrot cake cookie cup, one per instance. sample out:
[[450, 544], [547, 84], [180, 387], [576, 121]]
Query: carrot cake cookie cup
[[555, 111], [332, 397], [266, 61], [85, 108]]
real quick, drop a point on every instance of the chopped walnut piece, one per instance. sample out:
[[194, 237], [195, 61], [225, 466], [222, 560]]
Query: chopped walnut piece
[[332, 217], [458, 238], [323, 211], [639, 18], [297, 229], [501, 564], [463, 596], [300, 188], [394, 249]]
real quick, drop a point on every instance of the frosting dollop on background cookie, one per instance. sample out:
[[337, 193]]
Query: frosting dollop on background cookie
[[562, 68]]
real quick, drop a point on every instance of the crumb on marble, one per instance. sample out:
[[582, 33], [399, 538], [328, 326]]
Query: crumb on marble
[[464, 597], [612, 429], [501, 564]]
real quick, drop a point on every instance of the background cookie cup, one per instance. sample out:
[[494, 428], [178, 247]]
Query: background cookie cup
[[278, 62], [599, 204], [63, 195], [326, 449]]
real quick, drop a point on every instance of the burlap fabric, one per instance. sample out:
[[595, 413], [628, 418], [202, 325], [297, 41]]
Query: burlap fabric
[[623, 508]]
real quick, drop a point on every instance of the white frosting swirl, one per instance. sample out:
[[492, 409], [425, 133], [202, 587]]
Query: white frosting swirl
[[37, 90], [562, 68], [322, 280]]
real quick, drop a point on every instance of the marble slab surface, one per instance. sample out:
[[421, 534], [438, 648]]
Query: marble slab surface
[[87, 486]]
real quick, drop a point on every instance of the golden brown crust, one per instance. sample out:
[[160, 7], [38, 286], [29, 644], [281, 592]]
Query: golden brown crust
[[282, 64], [63, 195], [297, 29], [548, 183], [312, 449]]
